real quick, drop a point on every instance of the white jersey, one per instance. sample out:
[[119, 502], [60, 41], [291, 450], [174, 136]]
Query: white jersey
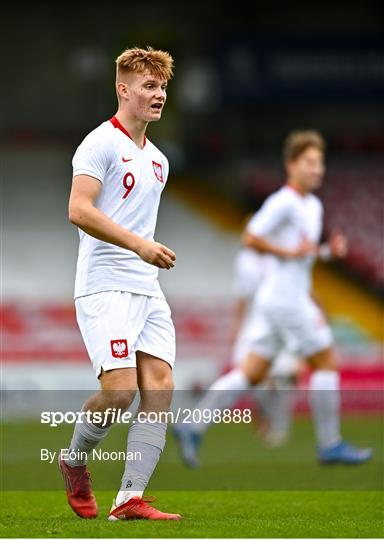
[[247, 273], [132, 182], [286, 219]]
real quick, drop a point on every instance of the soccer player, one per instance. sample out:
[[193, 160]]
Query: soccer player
[[274, 395], [125, 321], [287, 230]]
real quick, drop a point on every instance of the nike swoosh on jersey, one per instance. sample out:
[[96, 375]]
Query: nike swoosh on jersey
[[124, 160]]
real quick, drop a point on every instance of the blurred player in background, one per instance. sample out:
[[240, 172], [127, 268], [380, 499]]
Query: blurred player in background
[[125, 321], [274, 396], [287, 231]]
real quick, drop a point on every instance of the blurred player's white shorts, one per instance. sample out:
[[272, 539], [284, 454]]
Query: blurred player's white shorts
[[300, 328], [116, 324], [285, 363]]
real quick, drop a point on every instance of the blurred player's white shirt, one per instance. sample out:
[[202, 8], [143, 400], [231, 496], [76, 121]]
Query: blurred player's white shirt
[[133, 180], [286, 219], [248, 271]]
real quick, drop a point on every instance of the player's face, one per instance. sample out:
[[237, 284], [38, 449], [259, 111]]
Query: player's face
[[308, 169], [146, 96]]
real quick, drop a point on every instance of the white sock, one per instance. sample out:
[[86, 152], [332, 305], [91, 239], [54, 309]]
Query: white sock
[[147, 440], [124, 495], [277, 404], [221, 395], [325, 402], [86, 437]]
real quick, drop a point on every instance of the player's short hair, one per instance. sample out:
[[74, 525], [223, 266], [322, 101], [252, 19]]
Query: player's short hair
[[136, 60], [297, 142]]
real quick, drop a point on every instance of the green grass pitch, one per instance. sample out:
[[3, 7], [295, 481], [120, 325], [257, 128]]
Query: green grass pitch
[[242, 490]]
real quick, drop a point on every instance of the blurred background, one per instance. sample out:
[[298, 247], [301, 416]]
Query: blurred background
[[242, 83]]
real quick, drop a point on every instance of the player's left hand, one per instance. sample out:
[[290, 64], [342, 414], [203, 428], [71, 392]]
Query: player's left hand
[[338, 243]]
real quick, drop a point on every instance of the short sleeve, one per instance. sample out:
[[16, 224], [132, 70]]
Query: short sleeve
[[92, 157], [241, 288], [271, 216], [166, 169], [247, 274]]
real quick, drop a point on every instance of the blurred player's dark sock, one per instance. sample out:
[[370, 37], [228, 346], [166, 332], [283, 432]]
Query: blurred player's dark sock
[[325, 402], [86, 437], [146, 441]]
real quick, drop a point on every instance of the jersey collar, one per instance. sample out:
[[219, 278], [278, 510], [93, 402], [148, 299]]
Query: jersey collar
[[114, 121], [289, 186]]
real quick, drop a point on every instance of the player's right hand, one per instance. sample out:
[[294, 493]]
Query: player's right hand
[[338, 243], [156, 254], [304, 249]]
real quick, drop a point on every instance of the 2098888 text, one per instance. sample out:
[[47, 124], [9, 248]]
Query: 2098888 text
[[215, 416]]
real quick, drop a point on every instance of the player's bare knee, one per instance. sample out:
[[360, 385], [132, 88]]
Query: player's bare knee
[[162, 382], [154, 374], [324, 360], [254, 378], [118, 399], [255, 369]]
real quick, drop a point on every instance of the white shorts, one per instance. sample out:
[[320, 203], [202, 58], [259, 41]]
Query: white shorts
[[300, 328], [116, 324], [285, 363]]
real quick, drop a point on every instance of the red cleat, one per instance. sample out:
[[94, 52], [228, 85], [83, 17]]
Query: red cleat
[[79, 492], [138, 508]]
